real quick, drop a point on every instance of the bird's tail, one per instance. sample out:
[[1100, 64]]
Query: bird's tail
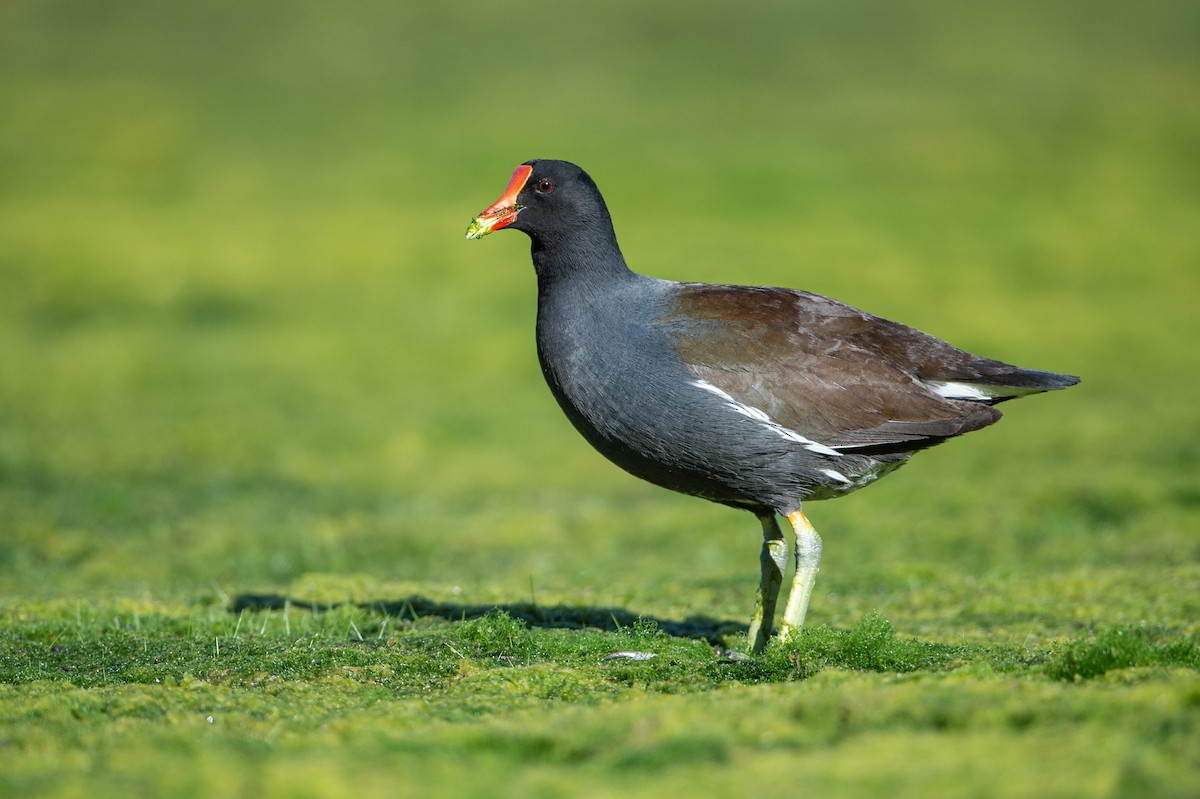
[[994, 381]]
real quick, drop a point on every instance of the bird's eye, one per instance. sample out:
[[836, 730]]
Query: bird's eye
[[544, 186]]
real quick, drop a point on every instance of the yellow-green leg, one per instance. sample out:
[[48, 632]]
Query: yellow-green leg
[[808, 560], [773, 559]]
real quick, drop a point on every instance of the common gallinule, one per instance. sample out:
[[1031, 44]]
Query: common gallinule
[[758, 398]]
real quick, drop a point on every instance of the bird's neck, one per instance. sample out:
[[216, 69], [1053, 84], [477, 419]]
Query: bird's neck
[[582, 261]]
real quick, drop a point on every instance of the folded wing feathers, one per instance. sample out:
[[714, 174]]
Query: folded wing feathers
[[833, 346]]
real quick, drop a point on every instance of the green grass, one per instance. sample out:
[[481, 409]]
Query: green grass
[[286, 510], [322, 702]]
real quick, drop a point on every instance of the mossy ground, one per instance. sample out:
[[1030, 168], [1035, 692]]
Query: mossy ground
[[355, 699], [286, 510]]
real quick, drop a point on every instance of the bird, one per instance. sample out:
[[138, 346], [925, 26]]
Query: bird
[[758, 398]]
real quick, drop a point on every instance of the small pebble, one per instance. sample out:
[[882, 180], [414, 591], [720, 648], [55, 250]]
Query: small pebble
[[628, 656]]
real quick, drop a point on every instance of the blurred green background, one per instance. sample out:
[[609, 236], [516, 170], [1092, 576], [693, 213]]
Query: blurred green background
[[244, 347]]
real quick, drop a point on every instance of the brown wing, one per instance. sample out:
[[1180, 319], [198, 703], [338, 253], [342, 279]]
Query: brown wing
[[824, 369]]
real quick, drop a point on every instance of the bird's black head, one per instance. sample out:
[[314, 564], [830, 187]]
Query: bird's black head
[[551, 201]]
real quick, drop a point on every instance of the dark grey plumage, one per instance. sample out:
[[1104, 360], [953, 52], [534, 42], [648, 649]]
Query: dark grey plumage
[[754, 397]]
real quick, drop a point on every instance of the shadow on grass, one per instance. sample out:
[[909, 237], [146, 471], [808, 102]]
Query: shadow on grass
[[871, 645], [702, 628]]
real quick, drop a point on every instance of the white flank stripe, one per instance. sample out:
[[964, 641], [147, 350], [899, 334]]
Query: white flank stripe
[[707, 386], [753, 413], [809, 444], [836, 475], [759, 415]]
